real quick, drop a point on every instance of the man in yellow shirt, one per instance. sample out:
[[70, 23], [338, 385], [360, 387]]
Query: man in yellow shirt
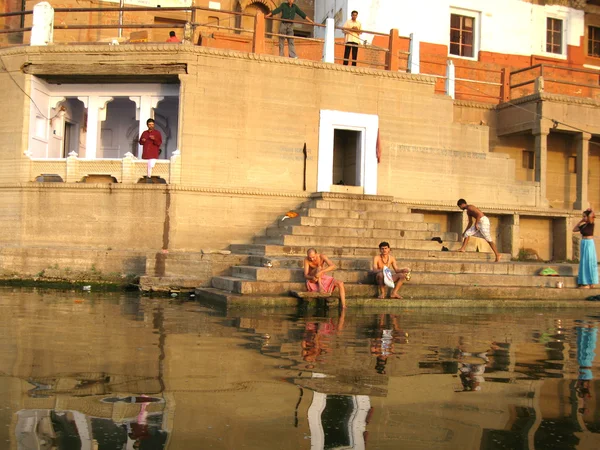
[[352, 29]]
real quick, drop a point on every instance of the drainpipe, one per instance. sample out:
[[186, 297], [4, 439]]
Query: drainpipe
[[121, 5]]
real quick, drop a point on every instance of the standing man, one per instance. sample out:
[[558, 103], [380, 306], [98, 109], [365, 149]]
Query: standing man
[[352, 29], [150, 140], [480, 229], [385, 258], [288, 11]]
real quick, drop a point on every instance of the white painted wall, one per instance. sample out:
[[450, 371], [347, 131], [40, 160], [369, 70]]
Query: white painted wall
[[47, 122], [513, 27]]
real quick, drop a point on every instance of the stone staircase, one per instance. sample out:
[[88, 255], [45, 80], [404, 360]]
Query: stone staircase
[[348, 229]]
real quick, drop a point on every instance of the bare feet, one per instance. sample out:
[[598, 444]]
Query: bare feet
[[395, 296], [584, 286], [497, 258], [381, 296], [461, 250]]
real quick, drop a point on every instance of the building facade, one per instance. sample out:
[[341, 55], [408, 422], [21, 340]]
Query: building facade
[[248, 136]]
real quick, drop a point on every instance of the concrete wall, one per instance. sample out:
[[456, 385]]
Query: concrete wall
[[243, 124]]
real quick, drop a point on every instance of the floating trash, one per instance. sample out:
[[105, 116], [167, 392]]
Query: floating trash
[[87, 288]]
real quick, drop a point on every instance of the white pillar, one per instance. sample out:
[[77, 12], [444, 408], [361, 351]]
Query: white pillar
[[329, 43], [96, 114], [450, 77], [42, 31], [414, 54]]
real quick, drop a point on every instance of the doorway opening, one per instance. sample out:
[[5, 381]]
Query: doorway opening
[[347, 157]]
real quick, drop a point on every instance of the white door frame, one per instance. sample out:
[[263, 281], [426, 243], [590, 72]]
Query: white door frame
[[368, 125]]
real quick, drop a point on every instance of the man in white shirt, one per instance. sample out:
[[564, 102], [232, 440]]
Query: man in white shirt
[[352, 29]]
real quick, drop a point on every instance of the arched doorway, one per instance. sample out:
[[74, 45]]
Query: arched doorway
[[253, 7]]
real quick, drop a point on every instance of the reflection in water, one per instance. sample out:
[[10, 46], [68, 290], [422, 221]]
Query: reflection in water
[[115, 372]]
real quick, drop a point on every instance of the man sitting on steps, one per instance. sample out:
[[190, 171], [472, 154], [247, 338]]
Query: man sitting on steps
[[315, 266], [386, 259]]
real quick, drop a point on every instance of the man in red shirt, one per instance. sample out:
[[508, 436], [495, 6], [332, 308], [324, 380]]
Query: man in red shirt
[[173, 38], [150, 140]]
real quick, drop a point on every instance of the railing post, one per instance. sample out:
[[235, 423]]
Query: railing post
[[450, 77], [258, 41], [175, 168], [538, 85], [414, 54], [505, 88], [42, 31], [329, 42], [128, 169], [72, 168], [392, 62]]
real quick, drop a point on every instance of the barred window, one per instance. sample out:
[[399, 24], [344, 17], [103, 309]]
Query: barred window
[[462, 30], [554, 35], [594, 41]]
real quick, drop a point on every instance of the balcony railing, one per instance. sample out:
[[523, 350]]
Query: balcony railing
[[458, 78], [128, 170]]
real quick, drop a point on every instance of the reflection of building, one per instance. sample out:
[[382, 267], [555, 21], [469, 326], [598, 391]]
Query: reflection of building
[[338, 421]]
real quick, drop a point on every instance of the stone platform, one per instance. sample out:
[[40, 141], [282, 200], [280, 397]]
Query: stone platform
[[348, 229]]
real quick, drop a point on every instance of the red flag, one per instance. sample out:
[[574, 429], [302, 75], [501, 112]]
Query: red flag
[[378, 147]]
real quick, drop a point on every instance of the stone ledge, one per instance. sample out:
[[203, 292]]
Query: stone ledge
[[184, 50]]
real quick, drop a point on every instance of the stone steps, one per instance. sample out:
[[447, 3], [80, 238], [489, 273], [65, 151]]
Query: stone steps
[[281, 281], [275, 250], [357, 205], [424, 266], [348, 229], [346, 232], [441, 278], [432, 296], [360, 215], [356, 242], [393, 223]]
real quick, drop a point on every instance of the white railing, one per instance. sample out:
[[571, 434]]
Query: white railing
[[128, 170]]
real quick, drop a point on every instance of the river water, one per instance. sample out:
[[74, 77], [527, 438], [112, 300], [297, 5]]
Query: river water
[[83, 370]]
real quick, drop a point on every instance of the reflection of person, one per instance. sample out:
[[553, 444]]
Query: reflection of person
[[150, 140], [173, 37], [471, 375], [480, 229], [385, 258], [316, 338], [586, 347], [588, 260], [315, 267], [288, 12], [388, 334], [352, 38]]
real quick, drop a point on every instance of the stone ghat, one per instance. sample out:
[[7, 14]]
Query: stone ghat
[[348, 229]]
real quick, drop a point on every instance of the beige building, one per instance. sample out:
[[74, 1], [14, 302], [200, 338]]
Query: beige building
[[248, 137]]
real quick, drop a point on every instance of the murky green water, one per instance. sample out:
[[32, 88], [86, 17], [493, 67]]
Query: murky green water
[[96, 371]]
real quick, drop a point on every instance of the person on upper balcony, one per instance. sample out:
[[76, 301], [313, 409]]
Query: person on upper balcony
[[173, 38], [288, 12]]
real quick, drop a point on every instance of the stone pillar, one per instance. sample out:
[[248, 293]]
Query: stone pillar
[[582, 141], [96, 107], [329, 43], [510, 234], [73, 168], [458, 223], [562, 239], [450, 77], [392, 60], [541, 165], [42, 31], [175, 168], [258, 39], [127, 169], [505, 88], [414, 54]]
